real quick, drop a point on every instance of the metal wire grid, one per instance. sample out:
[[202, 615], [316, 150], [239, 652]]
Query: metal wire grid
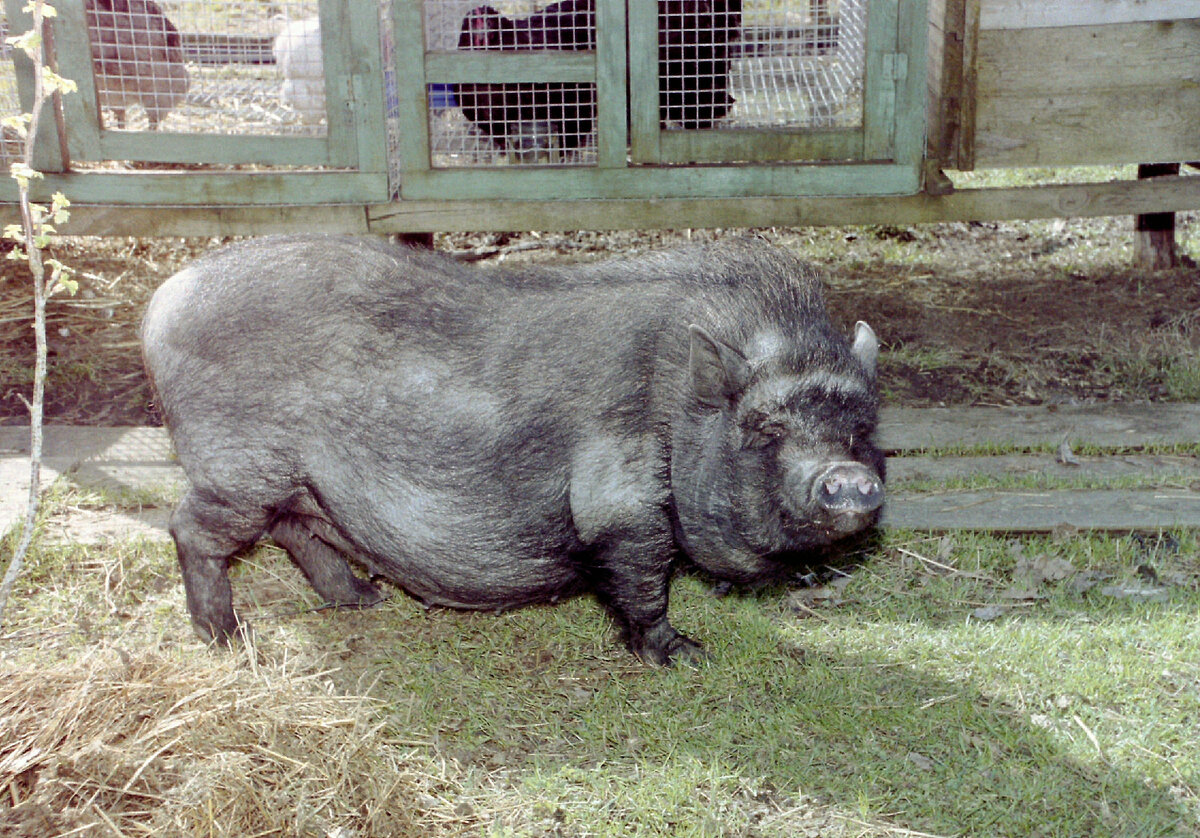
[[724, 64], [207, 66], [799, 67], [249, 69], [11, 145], [528, 124]]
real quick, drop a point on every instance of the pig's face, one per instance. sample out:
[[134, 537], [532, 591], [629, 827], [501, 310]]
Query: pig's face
[[779, 456]]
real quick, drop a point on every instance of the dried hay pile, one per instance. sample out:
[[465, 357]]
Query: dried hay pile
[[151, 744]]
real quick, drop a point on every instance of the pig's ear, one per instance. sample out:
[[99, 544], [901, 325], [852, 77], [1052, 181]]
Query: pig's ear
[[718, 371], [866, 346]]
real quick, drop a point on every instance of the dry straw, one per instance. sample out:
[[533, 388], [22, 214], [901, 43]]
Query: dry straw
[[149, 744]]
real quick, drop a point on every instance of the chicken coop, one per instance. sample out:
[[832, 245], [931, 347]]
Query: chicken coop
[[244, 116]]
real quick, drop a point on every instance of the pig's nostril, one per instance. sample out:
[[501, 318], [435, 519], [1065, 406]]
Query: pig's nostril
[[849, 493]]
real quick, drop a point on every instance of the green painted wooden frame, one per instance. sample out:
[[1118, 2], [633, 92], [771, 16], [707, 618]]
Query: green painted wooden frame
[[884, 157], [348, 164], [636, 159]]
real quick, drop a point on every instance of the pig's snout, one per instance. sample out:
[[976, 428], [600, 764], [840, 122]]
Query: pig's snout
[[848, 491]]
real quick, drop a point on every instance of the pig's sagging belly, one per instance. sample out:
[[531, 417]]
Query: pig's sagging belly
[[449, 549]]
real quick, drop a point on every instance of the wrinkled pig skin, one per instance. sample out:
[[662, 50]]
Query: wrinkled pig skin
[[488, 438]]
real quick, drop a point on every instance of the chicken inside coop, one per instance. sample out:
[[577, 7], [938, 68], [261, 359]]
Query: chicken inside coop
[[137, 56], [297, 51]]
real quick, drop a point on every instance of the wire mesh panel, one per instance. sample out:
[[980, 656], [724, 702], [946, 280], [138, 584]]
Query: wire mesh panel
[[722, 64], [209, 66], [11, 146], [485, 122], [799, 64]]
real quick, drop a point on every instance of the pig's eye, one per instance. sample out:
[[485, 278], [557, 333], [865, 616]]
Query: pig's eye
[[760, 431]]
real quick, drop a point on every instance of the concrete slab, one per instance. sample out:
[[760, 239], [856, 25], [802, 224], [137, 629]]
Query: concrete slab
[[111, 458], [14, 489], [93, 526]]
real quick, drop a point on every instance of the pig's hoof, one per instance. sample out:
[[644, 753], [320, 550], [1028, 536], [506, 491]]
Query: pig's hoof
[[678, 649], [364, 595], [225, 634], [688, 652]]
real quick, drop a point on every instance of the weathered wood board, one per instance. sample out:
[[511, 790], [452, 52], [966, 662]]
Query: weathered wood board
[[1027, 14], [1107, 426], [1088, 95], [1129, 197], [1044, 511], [141, 456], [1173, 502], [1176, 471]]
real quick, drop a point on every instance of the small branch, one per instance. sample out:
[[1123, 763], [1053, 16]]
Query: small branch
[[33, 230]]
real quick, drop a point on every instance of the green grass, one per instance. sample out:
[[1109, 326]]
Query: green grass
[[894, 708], [887, 707]]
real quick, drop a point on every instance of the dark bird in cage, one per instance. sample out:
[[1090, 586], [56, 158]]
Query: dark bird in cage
[[693, 59], [530, 119], [137, 57]]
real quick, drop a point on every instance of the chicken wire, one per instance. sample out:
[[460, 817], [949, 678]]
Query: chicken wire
[[723, 64], [208, 66], [799, 65], [11, 145], [529, 123]]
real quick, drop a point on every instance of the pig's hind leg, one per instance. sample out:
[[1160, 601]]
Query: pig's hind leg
[[324, 566], [207, 534]]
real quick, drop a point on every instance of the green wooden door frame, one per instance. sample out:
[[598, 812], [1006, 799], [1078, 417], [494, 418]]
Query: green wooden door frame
[[348, 164], [884, 157]]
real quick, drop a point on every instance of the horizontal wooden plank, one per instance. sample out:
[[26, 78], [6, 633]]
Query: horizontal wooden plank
[[761, 145], [1107, 426], [108, 220], [1043, 511], [207, 189], [496, 66], [129, 456], [1180, 471], [1088, 95], [1072, 130], [1089, 58], [1025, 14], [1060, 201], [901, 429], [782, 180], [167, 147]]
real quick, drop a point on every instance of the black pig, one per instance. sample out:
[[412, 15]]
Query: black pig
[[488, 439]]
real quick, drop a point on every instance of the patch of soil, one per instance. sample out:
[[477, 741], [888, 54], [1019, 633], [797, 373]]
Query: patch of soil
[[998, 313]]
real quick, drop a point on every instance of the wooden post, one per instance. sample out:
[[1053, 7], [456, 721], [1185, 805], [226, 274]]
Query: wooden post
[[1154, 233]]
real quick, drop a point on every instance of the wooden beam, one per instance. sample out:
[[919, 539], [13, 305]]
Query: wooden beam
[[1177, 471], [1106, 426], [1088, 95], [1029, 14], [1154, 233], [1058, 201], [1044, 511], [211, 221]]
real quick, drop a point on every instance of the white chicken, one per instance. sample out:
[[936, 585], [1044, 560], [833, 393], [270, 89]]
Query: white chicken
[[298, 55]]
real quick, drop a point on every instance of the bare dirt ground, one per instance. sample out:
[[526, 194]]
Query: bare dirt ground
[[995, 313]]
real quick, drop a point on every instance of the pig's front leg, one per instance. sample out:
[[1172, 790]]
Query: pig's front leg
[[633, 579]]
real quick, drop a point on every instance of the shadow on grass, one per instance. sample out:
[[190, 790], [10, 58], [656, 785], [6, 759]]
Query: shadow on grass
[[547, 695]]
